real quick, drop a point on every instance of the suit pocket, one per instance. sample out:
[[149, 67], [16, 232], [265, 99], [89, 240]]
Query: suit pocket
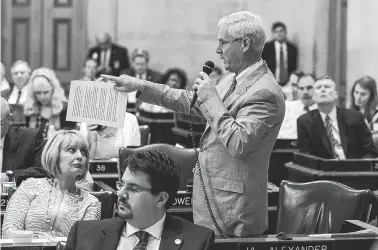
[[225, 193], [227, 185]]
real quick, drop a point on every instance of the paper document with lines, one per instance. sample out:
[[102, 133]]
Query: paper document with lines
[[96, 103]]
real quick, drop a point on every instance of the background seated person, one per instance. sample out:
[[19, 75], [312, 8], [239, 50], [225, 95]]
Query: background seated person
[[90, 70], [149, 184], [140, 69], [162, 132], [296, 108], [290, 88], [4, 84], [105, 141], [21, 149], [46, 105], [333, 132], [50, 206], [364, 99]]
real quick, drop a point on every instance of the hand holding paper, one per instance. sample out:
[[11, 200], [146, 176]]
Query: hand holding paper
[[125, 83]]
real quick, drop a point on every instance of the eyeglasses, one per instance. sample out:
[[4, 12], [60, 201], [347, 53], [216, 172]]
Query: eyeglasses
[[2, 121], [131, 189], [223, 43]]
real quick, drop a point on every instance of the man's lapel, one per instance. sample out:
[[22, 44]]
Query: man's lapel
[[112, 234], [10, 148], [321, 131], [171, 238], [343, 130], [242, 87]]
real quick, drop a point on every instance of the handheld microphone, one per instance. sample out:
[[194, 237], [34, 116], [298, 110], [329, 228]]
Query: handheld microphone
[[208, 67]]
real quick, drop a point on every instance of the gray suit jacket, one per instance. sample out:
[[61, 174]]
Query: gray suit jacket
[[234, 149]]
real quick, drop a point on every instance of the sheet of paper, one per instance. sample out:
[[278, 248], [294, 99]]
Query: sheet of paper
[[96, 102]]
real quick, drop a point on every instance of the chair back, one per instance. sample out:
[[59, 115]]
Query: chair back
[[320, 206], [145, 135], [184, 157], [108, 198]]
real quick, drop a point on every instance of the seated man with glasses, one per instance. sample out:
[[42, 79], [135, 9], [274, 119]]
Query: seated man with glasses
[[20, 149], [149, 185]]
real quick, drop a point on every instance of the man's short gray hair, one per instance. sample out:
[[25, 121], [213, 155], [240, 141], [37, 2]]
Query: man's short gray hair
[[245, 24]]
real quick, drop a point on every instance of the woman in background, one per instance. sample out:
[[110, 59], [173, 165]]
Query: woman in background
[[290, 88], [50, 206], [364, 99], [46, 105]]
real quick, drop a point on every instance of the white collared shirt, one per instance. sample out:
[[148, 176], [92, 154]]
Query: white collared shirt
[[294, 109], [335, 132], [105, 57], [226, 82], [1, 153], [278, 49], [14, 96], [129, 240]]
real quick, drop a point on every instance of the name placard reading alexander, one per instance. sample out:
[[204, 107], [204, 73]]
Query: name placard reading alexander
[[314, 245], [183, 199], [100, 167]]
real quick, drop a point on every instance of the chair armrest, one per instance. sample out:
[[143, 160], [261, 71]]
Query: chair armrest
[[61, 245], [101, 186], [356, 225]]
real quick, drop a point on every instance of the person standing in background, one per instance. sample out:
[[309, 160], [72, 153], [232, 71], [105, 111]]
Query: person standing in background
[[111, 58], [280, 54]]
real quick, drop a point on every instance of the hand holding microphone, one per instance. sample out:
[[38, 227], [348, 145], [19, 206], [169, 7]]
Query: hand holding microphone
[[202, 86]]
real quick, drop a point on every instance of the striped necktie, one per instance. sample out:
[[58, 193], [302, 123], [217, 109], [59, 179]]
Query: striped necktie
[[330, 136], [230, 90], [143, 240]]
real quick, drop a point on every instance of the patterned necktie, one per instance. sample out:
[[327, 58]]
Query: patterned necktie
[[330, 136], [230, 90], [143, 240], [283, 71], [306, 108]]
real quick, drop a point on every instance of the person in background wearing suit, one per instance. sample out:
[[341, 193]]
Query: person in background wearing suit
[[280, 54], [140, 69], [332, 132], [21, 149], [244, 113], [149, 185], [111, 58], [296, 108]]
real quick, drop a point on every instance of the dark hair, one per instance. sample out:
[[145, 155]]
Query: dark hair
[[163, 172], [366, 82], [305, 75], [276, 25], [218, 70], [298, 73], [181, 74]]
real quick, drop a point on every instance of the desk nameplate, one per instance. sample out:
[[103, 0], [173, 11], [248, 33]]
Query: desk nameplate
[[101, 167], [321, 245], [4, 201], [182, 200]]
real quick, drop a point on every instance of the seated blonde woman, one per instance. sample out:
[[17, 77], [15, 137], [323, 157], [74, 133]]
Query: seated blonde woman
[[46, 105], [50, 206]]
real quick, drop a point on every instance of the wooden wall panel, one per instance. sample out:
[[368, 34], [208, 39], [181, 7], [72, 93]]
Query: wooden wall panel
[[21, 39], [62, 44]]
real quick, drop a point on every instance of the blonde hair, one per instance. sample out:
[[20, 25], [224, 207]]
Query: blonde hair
[[245, 24], [50, 158], [31, 105]]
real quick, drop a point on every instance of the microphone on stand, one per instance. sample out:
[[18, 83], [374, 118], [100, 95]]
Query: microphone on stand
[[208, 67]]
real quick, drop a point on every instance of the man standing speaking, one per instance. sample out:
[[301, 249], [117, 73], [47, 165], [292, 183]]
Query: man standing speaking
[[244, 113]]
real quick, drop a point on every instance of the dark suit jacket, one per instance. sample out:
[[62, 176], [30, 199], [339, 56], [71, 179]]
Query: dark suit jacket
[[105, 234], [119, 58], [152, 76], [269, 55], [22, 152], [356, 137]]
